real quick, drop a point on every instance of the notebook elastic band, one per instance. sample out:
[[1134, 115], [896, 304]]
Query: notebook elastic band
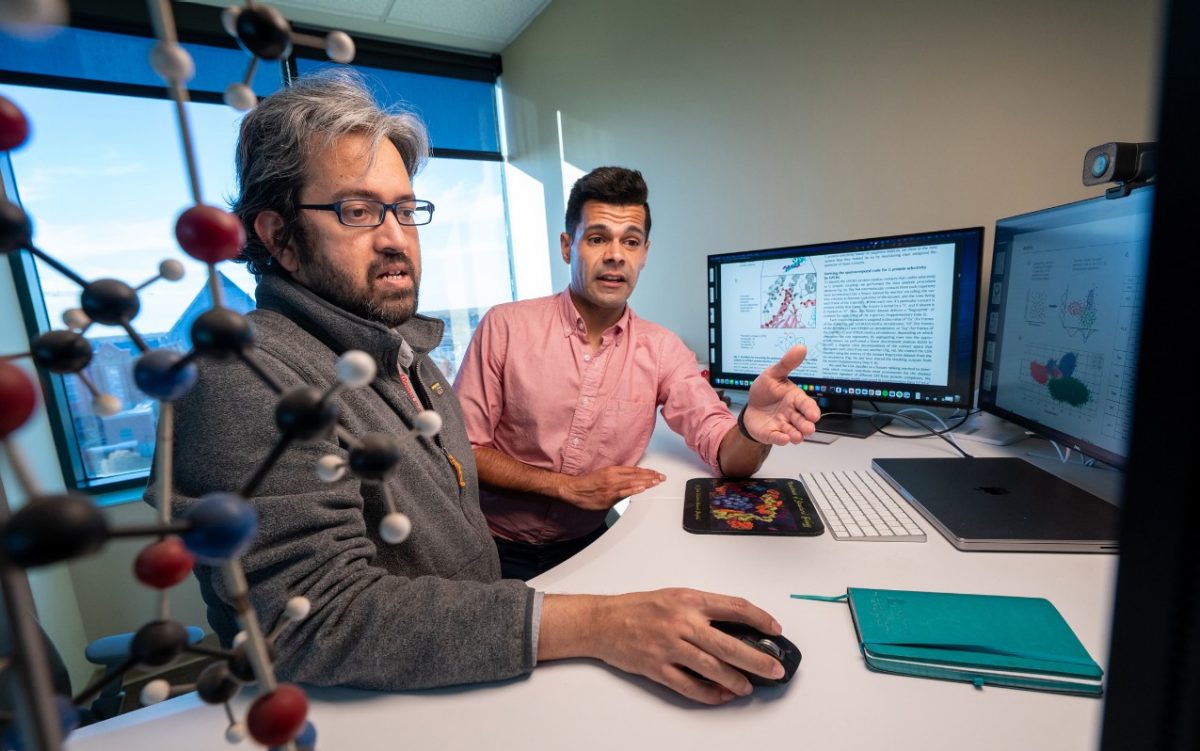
[[821, 598]]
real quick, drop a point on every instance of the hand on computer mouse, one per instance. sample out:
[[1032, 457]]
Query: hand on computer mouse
[[665, 635], [779, 647]]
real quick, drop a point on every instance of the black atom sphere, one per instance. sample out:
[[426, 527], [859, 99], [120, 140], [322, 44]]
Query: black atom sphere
[[62, 351], [221, 333], [375, 456], [110, 302]]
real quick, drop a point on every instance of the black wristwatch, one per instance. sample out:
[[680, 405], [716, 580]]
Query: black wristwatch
[[742, 428]]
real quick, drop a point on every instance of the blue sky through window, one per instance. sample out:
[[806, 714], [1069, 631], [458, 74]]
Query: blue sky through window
[[103, 179]]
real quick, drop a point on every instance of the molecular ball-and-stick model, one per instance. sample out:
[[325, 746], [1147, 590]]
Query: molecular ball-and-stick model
[[220, 526]]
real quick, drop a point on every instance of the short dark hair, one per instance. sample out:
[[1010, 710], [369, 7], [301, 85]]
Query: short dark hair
[[280, 137], [613, 185]]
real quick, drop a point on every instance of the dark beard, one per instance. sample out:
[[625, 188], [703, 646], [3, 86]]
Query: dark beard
[[328, 282], [398, 308]]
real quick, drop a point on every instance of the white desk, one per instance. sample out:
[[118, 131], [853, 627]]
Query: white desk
[[833, 702]]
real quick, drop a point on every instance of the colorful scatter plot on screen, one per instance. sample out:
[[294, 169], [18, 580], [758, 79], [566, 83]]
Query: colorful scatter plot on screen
[[1057, 375]]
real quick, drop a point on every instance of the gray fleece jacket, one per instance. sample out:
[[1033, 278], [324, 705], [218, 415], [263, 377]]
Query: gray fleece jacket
[[431, 611]]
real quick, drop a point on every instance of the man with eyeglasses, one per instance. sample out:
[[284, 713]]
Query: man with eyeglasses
[[559, 393], [331, 217]]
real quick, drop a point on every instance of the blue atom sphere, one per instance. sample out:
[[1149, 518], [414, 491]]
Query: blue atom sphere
[[155, 374], [306, 741], [223, 524]]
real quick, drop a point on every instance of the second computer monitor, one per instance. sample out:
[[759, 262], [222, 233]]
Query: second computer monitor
[[1064, 317], [886, 320]]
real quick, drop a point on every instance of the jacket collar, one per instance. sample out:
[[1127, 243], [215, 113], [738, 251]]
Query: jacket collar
[[341, 330]]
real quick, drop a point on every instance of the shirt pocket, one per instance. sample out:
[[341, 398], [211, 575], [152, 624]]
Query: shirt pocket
[[624, 429]]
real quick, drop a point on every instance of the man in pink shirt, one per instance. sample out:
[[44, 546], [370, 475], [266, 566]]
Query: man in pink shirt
[[559, 393]]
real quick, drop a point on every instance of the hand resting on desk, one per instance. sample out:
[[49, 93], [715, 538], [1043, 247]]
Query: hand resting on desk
[[601, 489], [598, 490], [658, 634]]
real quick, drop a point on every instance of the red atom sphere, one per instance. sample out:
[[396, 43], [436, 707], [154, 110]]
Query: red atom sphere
[[14, 128], [164, 564], [278, 717], [209, 234], [18, 397]]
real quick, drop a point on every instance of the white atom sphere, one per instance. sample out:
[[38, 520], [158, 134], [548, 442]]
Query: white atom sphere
[[339, 46], [298, 608], [76, 319], [355, 369], [395, 528], [235, 733], [229, 18], [171, 270], [240, 96], [106, 405], [240, 638], [331, 468], [155, 691], [428, 423], [172, 62]]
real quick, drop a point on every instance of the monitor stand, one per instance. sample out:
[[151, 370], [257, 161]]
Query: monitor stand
[[845, 422], [988, 428]]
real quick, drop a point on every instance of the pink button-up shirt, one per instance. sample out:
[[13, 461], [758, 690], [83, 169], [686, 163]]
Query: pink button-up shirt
[[532, 388]]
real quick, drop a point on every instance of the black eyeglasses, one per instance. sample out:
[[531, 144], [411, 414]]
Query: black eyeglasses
[[366, 212]]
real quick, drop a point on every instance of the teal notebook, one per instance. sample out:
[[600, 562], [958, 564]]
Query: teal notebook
[[984, 639]]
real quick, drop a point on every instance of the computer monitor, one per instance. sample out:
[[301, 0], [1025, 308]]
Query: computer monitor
[[1063, 322], [886, 319]]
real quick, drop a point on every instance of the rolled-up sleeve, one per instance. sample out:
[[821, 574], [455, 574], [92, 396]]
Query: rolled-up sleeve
[[689, 404]]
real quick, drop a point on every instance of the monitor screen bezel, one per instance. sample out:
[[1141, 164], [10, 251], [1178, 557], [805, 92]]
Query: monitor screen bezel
[[987, 396], [962, 377]]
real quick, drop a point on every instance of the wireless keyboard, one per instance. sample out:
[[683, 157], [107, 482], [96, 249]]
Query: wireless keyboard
[[860, 505]]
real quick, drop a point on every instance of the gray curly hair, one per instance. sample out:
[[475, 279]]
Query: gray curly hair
[[280, 136]]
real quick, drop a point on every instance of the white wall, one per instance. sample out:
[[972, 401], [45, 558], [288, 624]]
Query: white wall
[[782, 122]]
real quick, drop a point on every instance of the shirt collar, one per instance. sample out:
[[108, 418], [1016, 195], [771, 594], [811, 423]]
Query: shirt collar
[[572, 322]]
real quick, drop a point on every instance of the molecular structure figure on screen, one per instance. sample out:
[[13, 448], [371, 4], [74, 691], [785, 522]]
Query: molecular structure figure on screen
[[220, 526]]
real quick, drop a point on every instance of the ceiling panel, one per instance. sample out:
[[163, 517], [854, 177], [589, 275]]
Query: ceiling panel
[[499, 21], [374, 9], [486, 26]]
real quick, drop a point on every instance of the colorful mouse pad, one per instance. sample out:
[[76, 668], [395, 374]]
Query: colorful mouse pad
[[754, 506]]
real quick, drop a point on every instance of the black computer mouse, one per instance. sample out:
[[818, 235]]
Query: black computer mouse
[[778, 647]]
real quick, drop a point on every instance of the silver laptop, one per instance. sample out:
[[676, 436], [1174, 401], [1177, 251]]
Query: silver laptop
[[1003, 504]]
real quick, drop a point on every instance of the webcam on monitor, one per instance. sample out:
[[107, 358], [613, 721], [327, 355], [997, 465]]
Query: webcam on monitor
[[1129, 165]]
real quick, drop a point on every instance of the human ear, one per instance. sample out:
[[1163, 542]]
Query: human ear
[[564, 243], [269, 227]]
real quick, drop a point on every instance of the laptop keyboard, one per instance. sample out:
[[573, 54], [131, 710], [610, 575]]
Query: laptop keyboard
[[860, 505]]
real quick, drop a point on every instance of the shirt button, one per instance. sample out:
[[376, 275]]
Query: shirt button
[[587, 358], [574, 441], [586, 401]]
